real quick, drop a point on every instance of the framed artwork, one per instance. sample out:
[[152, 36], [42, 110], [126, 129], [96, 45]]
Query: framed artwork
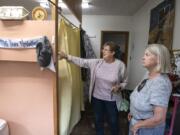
[[162, 24], [120, 38], [176, 61]]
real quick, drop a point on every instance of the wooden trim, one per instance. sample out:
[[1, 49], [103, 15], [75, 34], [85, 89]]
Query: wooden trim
[[176, 50], [56, 94]]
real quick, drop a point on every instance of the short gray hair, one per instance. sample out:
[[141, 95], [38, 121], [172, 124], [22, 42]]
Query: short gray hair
[[163, 55]]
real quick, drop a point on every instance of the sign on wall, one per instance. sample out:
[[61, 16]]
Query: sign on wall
[[20, 43]]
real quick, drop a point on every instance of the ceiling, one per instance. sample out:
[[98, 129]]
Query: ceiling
[[114, 7], [97, 7]]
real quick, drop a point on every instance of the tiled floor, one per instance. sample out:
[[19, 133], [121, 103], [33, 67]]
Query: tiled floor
[[86, 124]]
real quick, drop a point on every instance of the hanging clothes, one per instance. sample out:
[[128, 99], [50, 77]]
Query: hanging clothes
[[88, 47], [70, 85], [86, 52], [83, 54]]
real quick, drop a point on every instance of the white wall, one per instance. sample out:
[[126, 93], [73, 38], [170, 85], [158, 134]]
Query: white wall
[[141, 23], [137, 25], [94, 24]]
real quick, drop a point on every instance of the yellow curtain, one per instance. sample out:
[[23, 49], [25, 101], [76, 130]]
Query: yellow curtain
[[53, 10], [70, 84]]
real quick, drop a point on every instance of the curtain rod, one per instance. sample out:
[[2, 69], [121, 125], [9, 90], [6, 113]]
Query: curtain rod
[[60, 13]]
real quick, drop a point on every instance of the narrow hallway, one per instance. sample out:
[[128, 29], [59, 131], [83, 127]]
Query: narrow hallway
[[86, 125]]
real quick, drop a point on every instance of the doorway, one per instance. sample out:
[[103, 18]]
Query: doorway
[[121, 39], [86, 124]]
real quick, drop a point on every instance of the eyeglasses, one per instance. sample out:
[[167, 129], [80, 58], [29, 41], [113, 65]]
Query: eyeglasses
[[106, 50], [141, 85]]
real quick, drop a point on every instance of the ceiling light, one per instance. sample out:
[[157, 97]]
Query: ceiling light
[[62, 5], [85, 4], [45, 4]]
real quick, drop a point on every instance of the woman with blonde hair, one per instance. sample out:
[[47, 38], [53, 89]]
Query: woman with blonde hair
[[149, 101]]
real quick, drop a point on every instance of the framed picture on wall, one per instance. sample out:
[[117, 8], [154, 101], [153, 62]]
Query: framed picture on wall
[[162, 24], [120, 38], [176, 60]]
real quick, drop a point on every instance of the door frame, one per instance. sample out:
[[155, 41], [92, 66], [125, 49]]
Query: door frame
[[125, 33]]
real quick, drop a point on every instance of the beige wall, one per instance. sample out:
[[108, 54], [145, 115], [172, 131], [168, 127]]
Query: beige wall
[[26, 92]]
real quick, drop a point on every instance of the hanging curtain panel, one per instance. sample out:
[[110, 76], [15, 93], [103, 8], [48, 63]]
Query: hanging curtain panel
[[70, 85]]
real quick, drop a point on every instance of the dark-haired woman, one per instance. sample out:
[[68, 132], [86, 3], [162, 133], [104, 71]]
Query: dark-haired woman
[[108, 77]]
